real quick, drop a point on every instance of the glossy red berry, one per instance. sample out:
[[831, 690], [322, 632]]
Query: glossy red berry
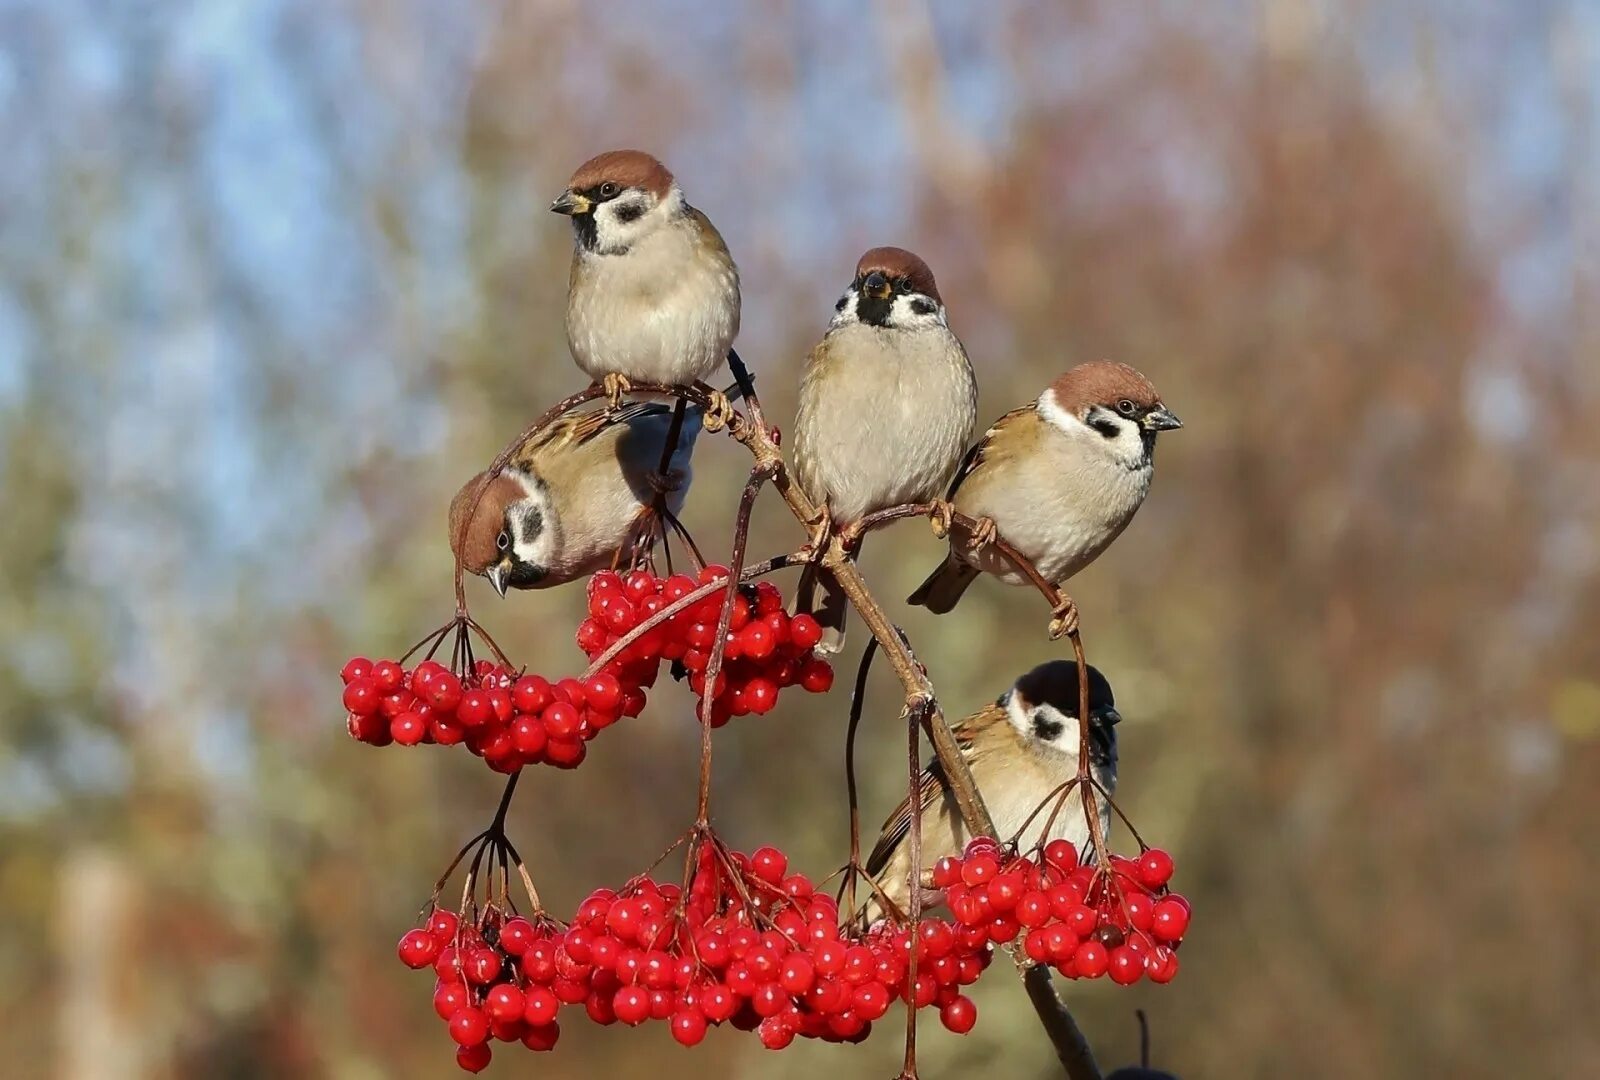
[[475, 1058], [418, 949], [469, 1027], [959, 1015], [1154, 868]]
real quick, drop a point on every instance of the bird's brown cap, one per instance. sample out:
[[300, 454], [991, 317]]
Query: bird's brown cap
[[479, 549], [895, 263], [1104, 383], [625, 168]]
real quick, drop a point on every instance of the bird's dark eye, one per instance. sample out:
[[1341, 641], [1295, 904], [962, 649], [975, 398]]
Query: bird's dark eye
[[904, 285], [503, 541], [1125, 407], [607, 190]]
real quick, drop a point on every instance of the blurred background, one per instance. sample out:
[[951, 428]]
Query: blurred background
[[277, 275]]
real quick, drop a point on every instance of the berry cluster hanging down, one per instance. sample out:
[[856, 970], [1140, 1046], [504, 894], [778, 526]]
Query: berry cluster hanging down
[[511, 718], [1083, 921], [751, 946]]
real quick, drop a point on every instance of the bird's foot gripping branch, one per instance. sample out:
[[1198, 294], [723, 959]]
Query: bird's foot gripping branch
[[736, 940]]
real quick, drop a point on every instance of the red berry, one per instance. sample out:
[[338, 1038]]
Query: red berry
[[1161, 964], [409, 728], [604, 692], [1091, 959], [946, 872], [357, 667], [760, 695], [561, 721], [539, 1006], [959, 1015], [418, 949], [442, 925], [979, 869], [632, 1005], [443, 692], [450, 996], [474, 1058], [816, 676], [769, 864], [775, 1032], [542, 1037], [688, 1027], [1169, 920], [469, 1027], [756, 641], [804, 631], [361, 697], [481, 966], [504, 1003], [1126, 966], [1155, 868], [389, 676], [797, 974]]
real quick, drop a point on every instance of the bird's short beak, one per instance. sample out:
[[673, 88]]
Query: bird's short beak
[[497, 577], [571, 203], [1110, 716], [1162, 419], [877, 286]]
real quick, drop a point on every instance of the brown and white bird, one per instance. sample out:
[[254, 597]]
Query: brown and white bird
[[887, 405], [1020, 749], [582, 490], [1059, 478], [654, 294]]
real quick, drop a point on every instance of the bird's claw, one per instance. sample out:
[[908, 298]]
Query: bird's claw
[[818, 528], [940, 517], [719, 412], [616, 385], [1064, 618], [984, 533], [664, 483], [850, 536]]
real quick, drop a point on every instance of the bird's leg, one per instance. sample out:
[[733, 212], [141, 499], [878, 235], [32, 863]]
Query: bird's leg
[[818, 528], [940, 517], [719, 410], [1064, 618], [616, 384], [984, 532], [850, 536]]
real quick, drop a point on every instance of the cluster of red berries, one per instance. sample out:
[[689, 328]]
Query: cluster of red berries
[[751, 946], [512, 719], [767, 649], [1084, 921], [509, 720]]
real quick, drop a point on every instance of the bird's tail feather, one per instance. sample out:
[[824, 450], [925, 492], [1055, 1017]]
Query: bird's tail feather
[[830, 609], [943, 589]]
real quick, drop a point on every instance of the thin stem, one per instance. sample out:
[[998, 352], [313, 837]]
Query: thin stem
[[914, 875], [719, 643], [856, 701]]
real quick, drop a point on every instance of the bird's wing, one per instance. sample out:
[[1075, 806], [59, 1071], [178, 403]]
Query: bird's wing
[[985, 448], [573, 431], [935, 785]]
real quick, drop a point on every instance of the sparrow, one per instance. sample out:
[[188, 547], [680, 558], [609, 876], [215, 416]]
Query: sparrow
[[887, 405], [654, 294], [1020, 750], [1059, 479], [584, 489]]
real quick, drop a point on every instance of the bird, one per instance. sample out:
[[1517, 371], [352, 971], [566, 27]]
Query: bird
[[1058, 480], [653, 294], [582, 490], [1020, 750], [888, 402]]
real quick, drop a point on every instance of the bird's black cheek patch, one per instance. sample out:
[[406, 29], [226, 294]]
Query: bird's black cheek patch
[[923, 307], [524, 575], [872, 311], [629, 212], [588, 233], [1046, 729]]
